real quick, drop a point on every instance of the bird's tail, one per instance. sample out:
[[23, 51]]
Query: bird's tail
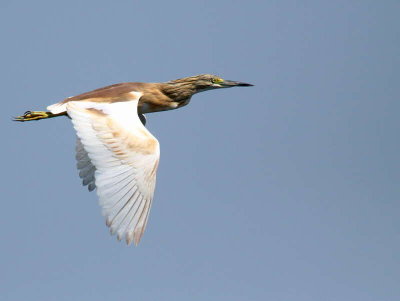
[[37, 115]]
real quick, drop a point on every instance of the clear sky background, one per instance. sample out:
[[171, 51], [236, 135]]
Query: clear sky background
[[285, 191]]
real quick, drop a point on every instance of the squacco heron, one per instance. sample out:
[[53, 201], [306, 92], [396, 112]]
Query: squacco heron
[[115, 153]]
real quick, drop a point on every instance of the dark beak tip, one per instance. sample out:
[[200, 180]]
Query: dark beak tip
[[245, 85]]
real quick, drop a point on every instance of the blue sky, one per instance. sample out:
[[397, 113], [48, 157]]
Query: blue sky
[[284, 191]]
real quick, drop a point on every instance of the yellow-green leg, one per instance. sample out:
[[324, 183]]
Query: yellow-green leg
[[36, 115]]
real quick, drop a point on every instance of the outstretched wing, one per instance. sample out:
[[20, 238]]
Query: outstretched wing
[[124, 156]]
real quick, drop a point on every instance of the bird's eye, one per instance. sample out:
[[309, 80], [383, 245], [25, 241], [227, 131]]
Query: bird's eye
[[216, 80]]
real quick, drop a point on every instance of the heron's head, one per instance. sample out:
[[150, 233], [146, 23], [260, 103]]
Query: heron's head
[[204, 82]]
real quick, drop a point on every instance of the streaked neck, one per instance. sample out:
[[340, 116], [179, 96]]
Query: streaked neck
[[179, 90]]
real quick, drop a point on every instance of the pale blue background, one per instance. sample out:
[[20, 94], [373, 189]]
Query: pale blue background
[[286, 191]]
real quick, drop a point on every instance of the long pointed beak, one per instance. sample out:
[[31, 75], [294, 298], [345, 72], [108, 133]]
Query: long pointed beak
[[231, 83]]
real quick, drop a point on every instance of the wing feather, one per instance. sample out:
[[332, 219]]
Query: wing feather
[[85, 166], [117, 155], [130, 218]]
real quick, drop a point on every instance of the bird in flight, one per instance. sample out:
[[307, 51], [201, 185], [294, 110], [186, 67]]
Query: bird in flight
[[115, 153]]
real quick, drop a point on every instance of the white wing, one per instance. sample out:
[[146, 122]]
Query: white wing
[[120, 158]]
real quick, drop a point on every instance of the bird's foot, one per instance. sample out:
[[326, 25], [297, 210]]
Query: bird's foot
[[32, 115]]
